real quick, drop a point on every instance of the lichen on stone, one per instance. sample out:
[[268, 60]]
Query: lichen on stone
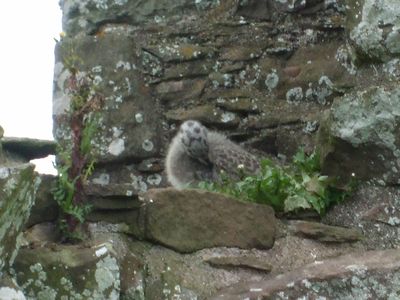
[[294, 95]]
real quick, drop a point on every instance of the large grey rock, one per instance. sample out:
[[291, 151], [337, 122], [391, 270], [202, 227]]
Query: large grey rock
[[191, 220], [353, 276], [18, 186], [66, 271], [373, 27], [129, 122], [359, 136]]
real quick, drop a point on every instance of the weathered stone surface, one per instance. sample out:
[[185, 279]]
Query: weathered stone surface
[[191, 220], [179, 91], [132, 266], [379, 220], [18, 186], [180, 52], [89, 16], [113, 203], [255, 9], [353, 276], [41, 234], [373, 29], [45, 208], [28, 148], [188, 70], [239, 262], [129, 121], [359, 136], [241, 53], [324, 233], [206, 114], [189, 276], [69, 271], [241, 105]]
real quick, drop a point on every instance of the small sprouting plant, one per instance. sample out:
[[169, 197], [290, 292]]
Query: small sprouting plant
[[286, 189], [75, 161]]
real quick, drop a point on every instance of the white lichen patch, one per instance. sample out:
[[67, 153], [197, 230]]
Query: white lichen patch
[[147, 145], [294, 95], [138, 183], [116, 147], [61, 101], [4, 172], [97, 80], [124, 65], [271, 80], [394, 221], [359, 270], [139, 118], [392, 68], [311, 126], [154, 179], [227, 117], [102, 251], [97, 69], [7, 293], [255, 290], [107, 276], [102, 179], [121, 2], [370, 34]]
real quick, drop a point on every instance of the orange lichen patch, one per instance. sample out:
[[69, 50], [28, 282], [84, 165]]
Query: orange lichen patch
[[292, 71], [190, 51]]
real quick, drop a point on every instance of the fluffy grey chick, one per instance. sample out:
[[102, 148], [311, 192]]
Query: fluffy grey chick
[[187, 159], [196, 154]]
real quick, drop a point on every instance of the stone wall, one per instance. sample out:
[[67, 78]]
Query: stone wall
[[260, 71], [271, 74]]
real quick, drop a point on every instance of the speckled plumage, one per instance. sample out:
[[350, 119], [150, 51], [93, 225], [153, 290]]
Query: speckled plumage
[[197, 154]]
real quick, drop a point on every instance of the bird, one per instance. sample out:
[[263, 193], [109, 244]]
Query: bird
[[197, 154]]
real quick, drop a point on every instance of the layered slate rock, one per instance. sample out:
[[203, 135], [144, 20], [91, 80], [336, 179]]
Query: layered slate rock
[[18, 186], [324, 233], [45, 208], [28, 148], [158, 63], [359, 136], [373, 29], [72, 272], [192, 220], [355, 276], [128, 125]]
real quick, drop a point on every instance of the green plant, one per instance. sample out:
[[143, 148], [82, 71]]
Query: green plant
[[286, 189], [75, 161]]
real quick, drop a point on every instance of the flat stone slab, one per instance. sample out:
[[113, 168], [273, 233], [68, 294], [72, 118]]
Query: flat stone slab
[[29, 148], [353, 276], [251, 262], [190, 220], [324, 233]]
